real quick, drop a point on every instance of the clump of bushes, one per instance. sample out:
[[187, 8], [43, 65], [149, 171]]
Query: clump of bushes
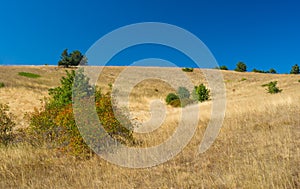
[[183, 97], [29, 75], [2, 85], [188, 69], [272, 71], [272, 88], [54, 124], [6, 125], [201, 93], [180, 99]]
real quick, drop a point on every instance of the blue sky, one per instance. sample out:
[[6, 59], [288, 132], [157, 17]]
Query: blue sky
[[263, 34]]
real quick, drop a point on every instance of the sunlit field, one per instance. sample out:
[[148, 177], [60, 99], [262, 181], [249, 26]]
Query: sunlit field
[[258, 145]]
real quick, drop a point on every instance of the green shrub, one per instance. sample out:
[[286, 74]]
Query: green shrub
[[272, 88], [201, 93], [171, 97], [183, 93], [243, 79], [2, 85], [241, 67], [62, 95], [299, 80], [30, 75], [54, 123], [188, 69], [6, 125]]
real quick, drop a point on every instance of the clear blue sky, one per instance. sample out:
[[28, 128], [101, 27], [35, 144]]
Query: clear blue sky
[[263, 34]]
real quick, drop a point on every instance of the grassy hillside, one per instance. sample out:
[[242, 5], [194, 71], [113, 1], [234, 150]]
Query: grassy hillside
[[257, 147]]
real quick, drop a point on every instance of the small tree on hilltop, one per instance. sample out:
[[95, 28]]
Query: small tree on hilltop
[[73, 59], [272, 71], [241, 67], [223, 67], [295, 69]]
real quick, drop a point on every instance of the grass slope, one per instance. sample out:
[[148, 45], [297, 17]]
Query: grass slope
[[258, 145]]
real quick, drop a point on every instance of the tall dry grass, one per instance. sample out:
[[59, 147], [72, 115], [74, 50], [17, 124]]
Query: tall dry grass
[[257, 147]]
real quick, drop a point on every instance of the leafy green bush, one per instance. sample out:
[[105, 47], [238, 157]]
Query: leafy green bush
[[1, 85], [30, 75], [62, 95], [201, 93], [243, 79], [272, 88], [6, 125], [188, 69], [241, 67], [171, 97], [183, 93], [54, 123]]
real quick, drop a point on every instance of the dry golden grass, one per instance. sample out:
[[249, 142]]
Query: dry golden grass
[[257, 147]]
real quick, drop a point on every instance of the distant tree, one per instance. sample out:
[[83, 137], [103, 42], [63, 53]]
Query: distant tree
[[258, 71], [272, 71], [241, 67], [73, 59], [295, 69]]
